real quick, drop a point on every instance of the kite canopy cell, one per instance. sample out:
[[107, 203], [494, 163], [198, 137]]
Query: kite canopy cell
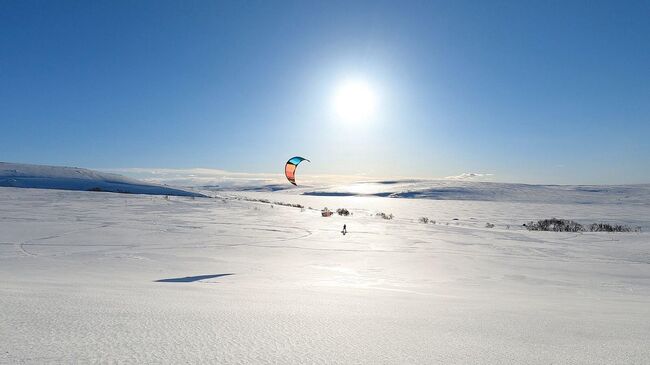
[[290, 168]]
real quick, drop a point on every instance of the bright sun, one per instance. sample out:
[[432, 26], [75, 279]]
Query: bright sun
[[355, 101]]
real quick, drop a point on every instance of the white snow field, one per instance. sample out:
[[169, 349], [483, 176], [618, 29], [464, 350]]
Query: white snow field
[[92, 277]]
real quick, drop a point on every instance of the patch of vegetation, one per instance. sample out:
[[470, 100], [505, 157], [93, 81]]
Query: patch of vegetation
[[554, 225], [565, 225], [424, 220], [489, 225], [342, 211], [384, 215], [266, 201], [289, 205], [606, 227]]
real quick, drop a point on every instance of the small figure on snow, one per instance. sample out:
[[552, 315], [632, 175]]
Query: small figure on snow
[[345, 229]]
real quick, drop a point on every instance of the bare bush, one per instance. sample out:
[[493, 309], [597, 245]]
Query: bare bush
[[424, 220], [606, 227], [489, 225], [384, 215], [266, 201], [554, 225], [565, 225], [288, 205], [343, 212]]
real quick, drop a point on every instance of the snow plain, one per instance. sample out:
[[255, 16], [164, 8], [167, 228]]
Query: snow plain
[[109, 278]]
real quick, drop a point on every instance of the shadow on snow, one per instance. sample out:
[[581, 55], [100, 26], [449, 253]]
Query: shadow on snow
[[190, 279]]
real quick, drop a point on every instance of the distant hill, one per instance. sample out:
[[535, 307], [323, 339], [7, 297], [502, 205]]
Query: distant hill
[[490, 191], [74, 178]]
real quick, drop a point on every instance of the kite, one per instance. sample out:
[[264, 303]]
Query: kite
[[290, 168]]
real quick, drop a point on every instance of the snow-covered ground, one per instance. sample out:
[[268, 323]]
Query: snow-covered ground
[[75, 178], [108, 278]]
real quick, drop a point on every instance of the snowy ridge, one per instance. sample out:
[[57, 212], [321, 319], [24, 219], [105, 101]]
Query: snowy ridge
[[74, 178]]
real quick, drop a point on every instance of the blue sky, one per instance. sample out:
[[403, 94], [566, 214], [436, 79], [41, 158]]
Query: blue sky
[[544, 92]]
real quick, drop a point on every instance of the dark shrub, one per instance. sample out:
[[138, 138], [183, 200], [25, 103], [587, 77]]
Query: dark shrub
[[555, 225], [605, 227], [565, 225], [384, 215]]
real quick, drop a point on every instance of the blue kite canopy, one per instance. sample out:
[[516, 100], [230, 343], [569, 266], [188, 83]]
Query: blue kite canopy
[[290, 168], [296, 160]]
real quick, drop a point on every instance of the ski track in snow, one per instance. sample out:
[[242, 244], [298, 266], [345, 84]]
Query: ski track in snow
[[106, 278]]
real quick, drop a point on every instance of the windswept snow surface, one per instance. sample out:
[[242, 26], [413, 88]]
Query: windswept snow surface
[[74, 178], [107, 278]]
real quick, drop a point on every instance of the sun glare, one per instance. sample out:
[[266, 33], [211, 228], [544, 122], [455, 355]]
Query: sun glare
[[355, 101]]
